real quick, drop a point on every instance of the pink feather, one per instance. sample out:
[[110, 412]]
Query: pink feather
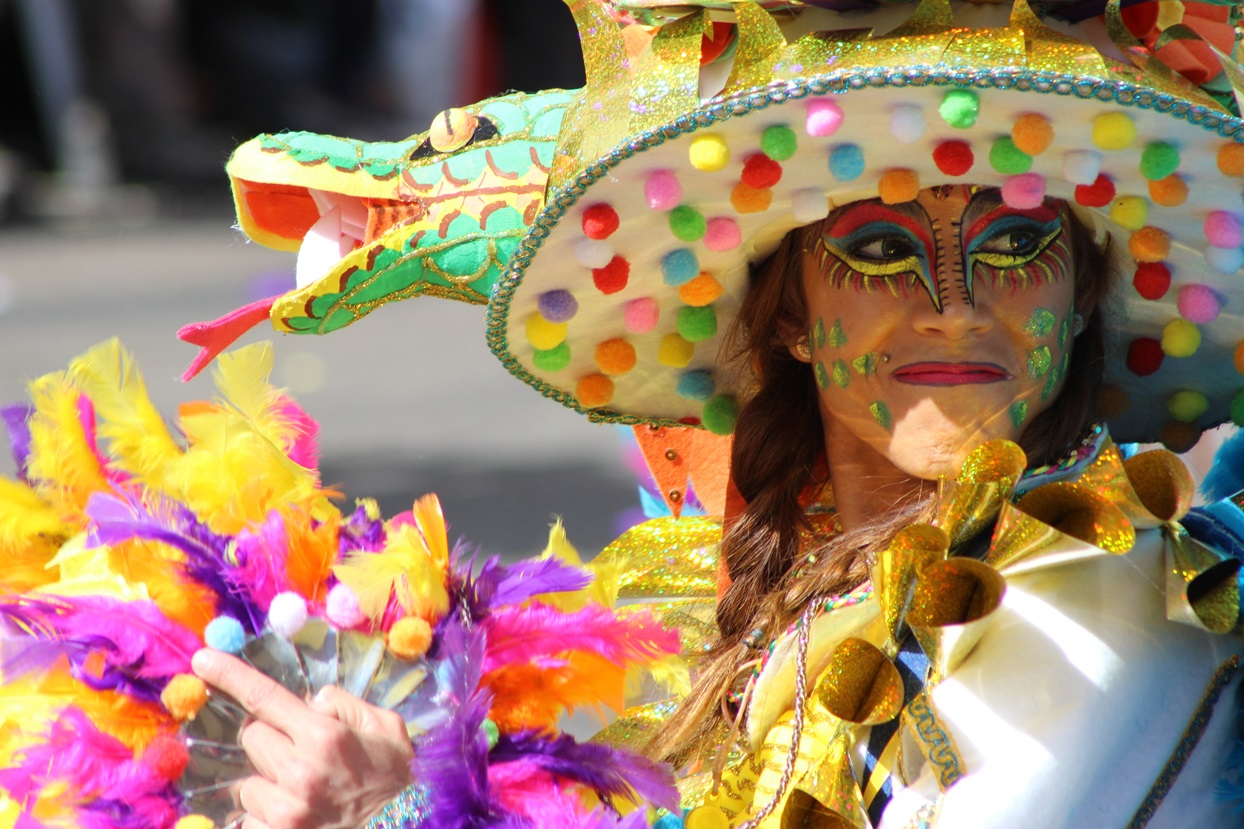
[[523, 787], [529, 634], [262, 554], [305, 448]]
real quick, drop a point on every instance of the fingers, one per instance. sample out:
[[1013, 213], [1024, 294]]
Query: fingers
[[268, 806], [269, 750], [259, 695]]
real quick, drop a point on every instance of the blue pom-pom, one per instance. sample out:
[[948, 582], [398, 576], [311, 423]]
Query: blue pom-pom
[[696, 385], [680, 267], [668, 822], [224, 633], [846, 162]]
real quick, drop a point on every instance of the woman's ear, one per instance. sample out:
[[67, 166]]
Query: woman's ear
[[797, 341]]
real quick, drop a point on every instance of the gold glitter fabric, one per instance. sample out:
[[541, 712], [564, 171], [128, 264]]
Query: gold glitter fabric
[[894, 572], [668, 558], [860, 685]]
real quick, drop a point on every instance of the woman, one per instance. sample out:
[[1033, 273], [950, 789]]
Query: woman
[[970, 217]]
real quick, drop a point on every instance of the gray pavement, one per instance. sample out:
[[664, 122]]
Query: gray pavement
[[409, 401]]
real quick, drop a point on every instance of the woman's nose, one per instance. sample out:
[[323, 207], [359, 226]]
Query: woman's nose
[[961, 314]]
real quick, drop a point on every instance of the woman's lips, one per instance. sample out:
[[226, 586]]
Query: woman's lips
[[949, 374]]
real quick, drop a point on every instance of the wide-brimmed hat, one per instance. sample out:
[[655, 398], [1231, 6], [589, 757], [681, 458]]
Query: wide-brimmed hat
[[709, 130]]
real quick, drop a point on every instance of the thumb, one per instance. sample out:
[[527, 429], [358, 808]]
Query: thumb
[[341, 705]]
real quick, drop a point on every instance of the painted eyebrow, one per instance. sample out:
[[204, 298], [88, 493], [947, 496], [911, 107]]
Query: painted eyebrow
[[912, 210]]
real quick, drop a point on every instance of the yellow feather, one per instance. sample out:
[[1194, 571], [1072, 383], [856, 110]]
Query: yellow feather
[[138, 438], [404, 567], [606, 575], [430, 520], [62, 464], [241, 378], [31, 531]]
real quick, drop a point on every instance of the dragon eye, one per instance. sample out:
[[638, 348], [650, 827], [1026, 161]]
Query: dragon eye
[[454, 130]]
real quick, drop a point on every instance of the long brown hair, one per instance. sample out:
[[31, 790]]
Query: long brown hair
[[778, 442]]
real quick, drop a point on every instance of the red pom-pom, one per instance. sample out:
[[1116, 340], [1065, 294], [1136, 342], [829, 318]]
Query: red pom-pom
[[1098, 194], [1152, 279], [599, 221], [1144, 356], [954, 158], [166, 756], [612, 278], [760, 172]]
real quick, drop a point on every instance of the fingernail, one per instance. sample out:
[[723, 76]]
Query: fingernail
[[201, 661]]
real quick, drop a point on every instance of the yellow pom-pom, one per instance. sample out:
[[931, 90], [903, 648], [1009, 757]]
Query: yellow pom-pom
[[594, 390], [709, 153], [707, 816], [1171, 191], [1032, 133], [898, 186], [1186, 406], [1231, 160], [675, 352], [746, 199], [1113, 131], [544, 335], [1180, 338], [701, 291], [1179, 437], [194, 822], [615, 356], [410, 637], [1149, 244], [184, 696], [1130, 211]]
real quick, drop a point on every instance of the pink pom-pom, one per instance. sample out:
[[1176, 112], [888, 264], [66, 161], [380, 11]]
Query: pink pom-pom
[[1222, 229], [1198, 303], [287, 614], [641, 315], [824, 117], [722, 234], [342, 608], [662, 190], [1024, 192]]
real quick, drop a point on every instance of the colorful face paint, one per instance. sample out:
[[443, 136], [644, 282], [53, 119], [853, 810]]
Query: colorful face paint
[[881, 413], [875, 247], [822, 376], [1041, 323], [842, 376], [837, 337], [818, 333], [1017, 250], [865, 364], [1039, 361], [1019, 412]]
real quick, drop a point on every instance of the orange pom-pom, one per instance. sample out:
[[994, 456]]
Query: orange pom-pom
[[1032, 133], [410, 637], [701, 291], [1171, 191], [1179, 437], [1149, 244], [594, 390], [1231, 160], [898, 186], [615, 356], [750, 200], [184, 696]]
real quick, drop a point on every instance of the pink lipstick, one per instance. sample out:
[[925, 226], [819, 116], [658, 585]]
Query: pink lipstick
[[949, 374]]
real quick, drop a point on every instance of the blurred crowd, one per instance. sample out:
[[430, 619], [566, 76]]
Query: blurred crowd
[[102, 95]]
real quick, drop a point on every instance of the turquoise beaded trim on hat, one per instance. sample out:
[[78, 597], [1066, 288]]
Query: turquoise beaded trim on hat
[[1122, 93]]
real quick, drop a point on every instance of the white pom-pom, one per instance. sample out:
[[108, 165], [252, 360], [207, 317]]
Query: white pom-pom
[[1224, 260], [593, 253], [1082, 166], [907, 123], [808, 206], [287, 614]]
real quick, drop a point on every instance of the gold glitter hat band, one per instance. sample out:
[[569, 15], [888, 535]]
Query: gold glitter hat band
[[675, 172]]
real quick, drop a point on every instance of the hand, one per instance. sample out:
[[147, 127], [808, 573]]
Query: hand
[[329, 763]]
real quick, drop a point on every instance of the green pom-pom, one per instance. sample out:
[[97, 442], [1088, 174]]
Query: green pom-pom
[[491, 733], [1187, 406], [779, 142], [697, 324], [554, 359], [1159, 160], [687, 223], [1237, 409], [720, 414], [960, 107], [1008, 159]]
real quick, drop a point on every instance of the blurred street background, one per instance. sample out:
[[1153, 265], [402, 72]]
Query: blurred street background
[[115, 219]]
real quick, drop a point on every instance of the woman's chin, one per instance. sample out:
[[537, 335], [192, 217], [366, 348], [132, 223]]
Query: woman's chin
[[932, 447]]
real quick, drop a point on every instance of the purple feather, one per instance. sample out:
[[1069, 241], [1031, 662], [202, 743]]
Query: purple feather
[[15, 418], [115, 520], [607, 771], [359, 532], [535, 576]]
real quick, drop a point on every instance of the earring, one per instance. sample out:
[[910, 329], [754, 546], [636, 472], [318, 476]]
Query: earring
[[803, 348], [1077, 324]]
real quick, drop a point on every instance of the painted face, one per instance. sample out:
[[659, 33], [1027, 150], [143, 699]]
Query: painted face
[[938, 324]]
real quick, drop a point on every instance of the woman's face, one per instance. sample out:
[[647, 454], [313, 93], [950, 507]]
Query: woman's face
[[937, 324]]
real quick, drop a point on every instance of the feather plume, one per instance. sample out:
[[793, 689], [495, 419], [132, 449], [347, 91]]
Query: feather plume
[[139, 439], [14, 418], [610, 773], [534, 697], [527, 579], [405, 568], [62, 462], [38, 698], [364, 529], [303, 430], [1226, 476], [312, 551], [31, 531], [430, 520], [517, 634]]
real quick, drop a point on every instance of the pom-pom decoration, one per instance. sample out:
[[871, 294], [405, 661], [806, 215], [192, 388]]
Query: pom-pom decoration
[[310, 595], [823, 119]]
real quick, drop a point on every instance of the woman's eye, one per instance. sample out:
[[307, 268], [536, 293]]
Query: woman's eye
[[885, 248], [1016, 243]]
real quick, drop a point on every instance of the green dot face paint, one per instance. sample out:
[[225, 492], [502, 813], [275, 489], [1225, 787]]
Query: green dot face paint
[[1064, 331], [881, 414], [865, 364], [818, 333], [837, 337], [1041, 323], [1039, 361], [822, 376], [842, 376], [1019, 412]]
